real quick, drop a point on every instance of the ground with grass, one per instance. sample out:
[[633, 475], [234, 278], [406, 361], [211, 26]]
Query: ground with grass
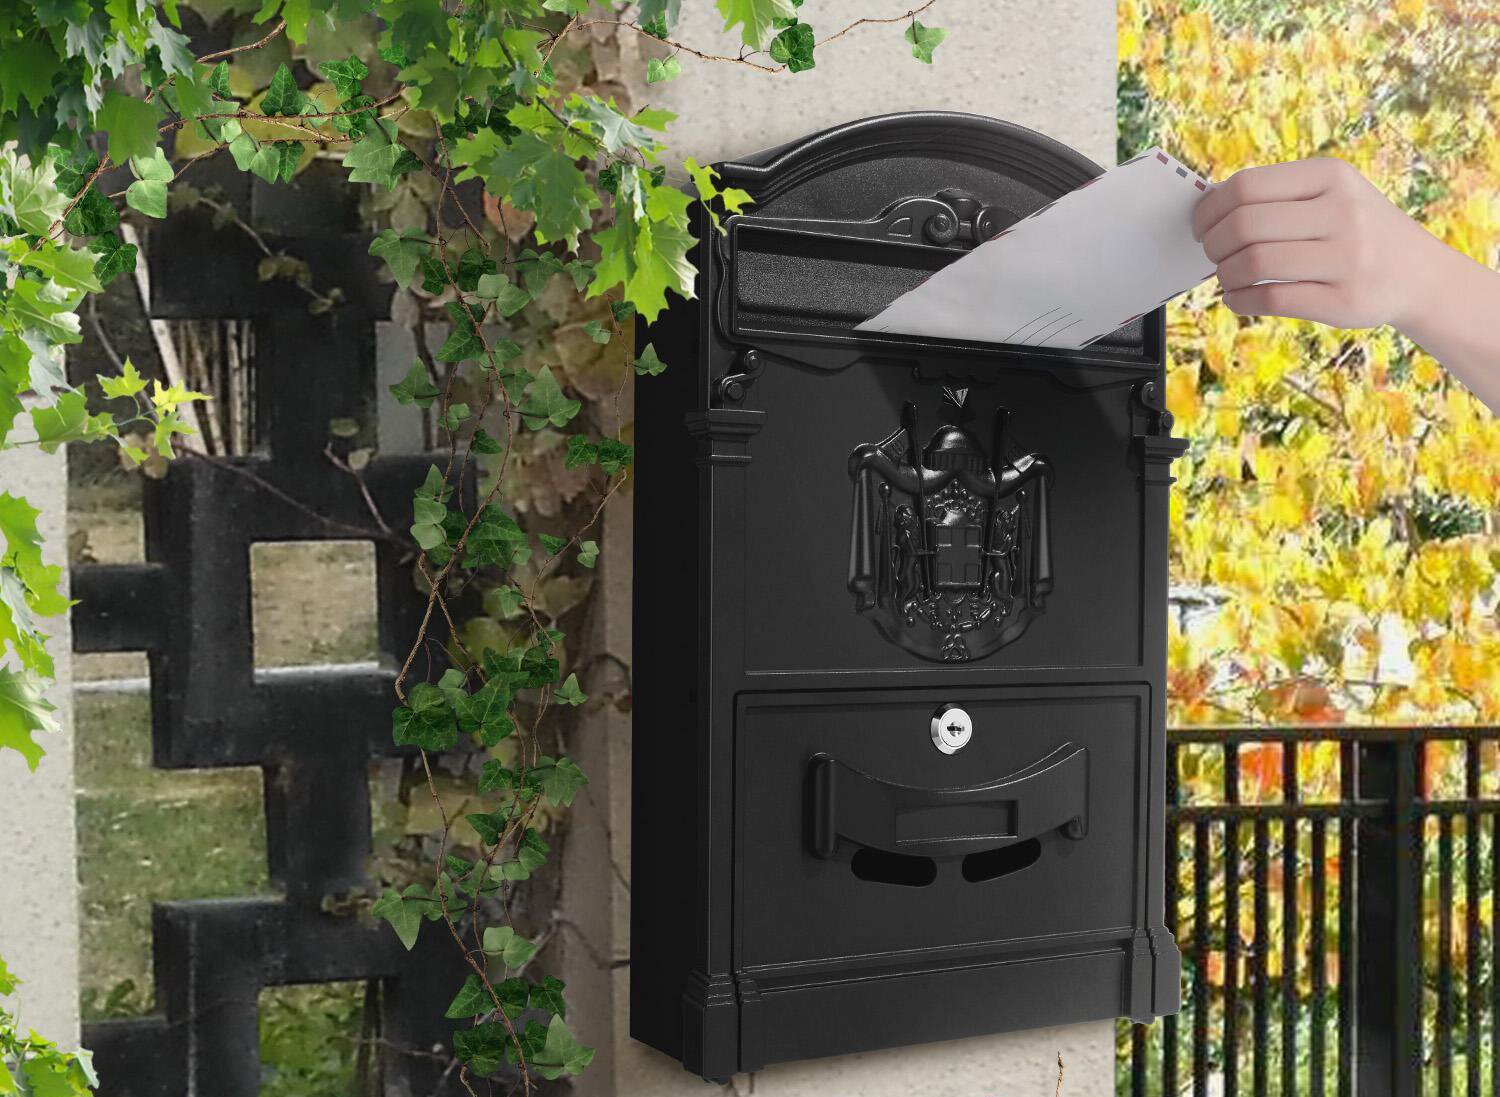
[[147, 835]]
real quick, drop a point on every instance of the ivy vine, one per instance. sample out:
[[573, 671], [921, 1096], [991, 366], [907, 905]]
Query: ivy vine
[[101, 94]]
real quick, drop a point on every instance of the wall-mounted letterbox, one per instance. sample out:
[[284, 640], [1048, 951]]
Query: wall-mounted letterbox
[[900, 618]]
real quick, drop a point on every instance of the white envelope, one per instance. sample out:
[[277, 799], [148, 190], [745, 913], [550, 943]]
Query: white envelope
[[1076, 269]]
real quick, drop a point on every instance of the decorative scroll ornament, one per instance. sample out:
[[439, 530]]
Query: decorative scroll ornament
[[948, 548]]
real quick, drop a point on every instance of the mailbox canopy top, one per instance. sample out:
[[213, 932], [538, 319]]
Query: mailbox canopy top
[[864, 162]]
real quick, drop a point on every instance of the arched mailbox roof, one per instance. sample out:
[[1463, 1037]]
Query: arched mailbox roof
[[846, 220], [873, 160]]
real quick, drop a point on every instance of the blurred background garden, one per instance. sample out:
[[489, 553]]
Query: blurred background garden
[[1334, 543]]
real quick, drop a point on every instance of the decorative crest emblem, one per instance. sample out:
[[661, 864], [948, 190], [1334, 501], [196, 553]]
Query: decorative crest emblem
[[949, 546]]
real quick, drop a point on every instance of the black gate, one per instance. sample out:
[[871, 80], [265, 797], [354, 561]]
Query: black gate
[[1333, 890], [312, 736]]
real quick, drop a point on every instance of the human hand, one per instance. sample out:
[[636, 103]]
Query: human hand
[[1314, 239], [1340, 253]]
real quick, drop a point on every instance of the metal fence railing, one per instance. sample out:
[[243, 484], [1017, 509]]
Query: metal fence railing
[[1334, 892]]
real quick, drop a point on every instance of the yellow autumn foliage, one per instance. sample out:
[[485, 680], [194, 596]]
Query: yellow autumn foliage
[[1339, 501]]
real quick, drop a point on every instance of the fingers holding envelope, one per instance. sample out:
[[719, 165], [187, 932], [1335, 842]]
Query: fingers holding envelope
[[1311, 239]]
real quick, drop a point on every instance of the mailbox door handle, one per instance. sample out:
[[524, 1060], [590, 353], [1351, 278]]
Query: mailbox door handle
[[846, 803]]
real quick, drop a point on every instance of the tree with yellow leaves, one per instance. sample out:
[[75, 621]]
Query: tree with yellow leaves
[[1338, 504]]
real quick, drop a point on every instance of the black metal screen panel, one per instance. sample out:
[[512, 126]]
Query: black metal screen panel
[[313, 737], [1333, 890]]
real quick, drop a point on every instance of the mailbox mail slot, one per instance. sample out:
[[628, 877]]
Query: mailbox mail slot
[[900, 626]]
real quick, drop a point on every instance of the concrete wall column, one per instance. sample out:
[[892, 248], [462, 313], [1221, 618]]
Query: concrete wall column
[[39, 917]]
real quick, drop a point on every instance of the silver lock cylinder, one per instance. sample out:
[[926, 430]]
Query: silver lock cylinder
[[951, 729]]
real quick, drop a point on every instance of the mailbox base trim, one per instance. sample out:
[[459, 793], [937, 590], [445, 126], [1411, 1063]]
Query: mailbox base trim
[[797, 1011], [871, 1010]]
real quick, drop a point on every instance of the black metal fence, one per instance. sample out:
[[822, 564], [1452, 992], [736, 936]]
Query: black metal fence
[[1333, 890]]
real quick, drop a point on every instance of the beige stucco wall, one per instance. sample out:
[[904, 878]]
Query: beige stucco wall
[[39, 916], [1050, 66]]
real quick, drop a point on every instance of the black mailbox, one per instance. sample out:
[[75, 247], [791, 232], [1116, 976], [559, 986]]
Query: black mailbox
[[900, 628]]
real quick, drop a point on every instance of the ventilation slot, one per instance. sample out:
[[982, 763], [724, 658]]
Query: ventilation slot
[[878, 866], [995, 863]]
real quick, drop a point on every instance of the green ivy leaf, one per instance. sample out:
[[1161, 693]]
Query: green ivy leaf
[[472, 1000], [504, 602], [660, 70], [580, 452], [115, 257], [379, 158], [347, 77], [463, 340], [588, 553], [614, 455], [218, 81], [496, 540], [924, 40], [283, 98], [596, 331], [131, 123], [482, 1047], [647, 362], [93, 214], [428, 518], [530, 856], [491, 826], [548, 995], [552, 544], [481, 442], [473, 265], [425, 720], [453, 417], [149, 191], [404, 912], [401, 251], [504, 942], [561, 779], [545, 402], [568, 693], [509, 298], [793, 48], [485, 712], [275, 161], [415, 387], [561, 1053]]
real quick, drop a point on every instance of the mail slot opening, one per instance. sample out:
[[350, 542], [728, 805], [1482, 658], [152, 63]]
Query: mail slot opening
[[883, 867], [991, 864], [946, 822]]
